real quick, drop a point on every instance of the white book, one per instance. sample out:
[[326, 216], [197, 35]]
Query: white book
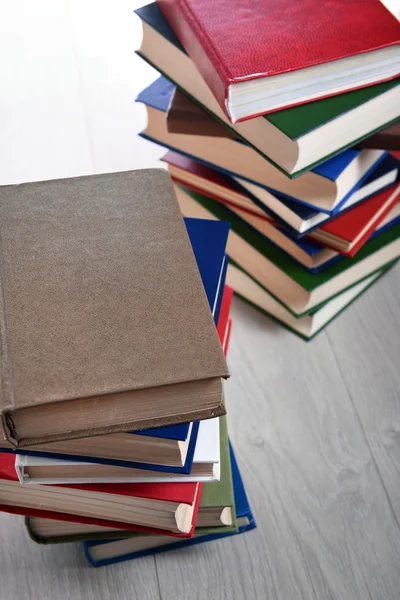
[[54, 471]]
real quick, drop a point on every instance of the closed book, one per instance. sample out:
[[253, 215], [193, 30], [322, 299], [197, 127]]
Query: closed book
[[349, 232], [295, 139], [262, 55], [308, 325], [296, 218], [112, 263], [297, 289], [101, 553], [166, 449], [170, 507], [326, 188], [205, 463]]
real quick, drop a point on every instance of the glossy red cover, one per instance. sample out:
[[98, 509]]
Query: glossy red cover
[[238, 40], [45, 514], [349, 225]]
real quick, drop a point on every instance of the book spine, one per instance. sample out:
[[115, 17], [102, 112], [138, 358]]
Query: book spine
[[198, 46]]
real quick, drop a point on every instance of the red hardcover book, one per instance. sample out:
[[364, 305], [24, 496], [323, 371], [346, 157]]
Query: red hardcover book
[[258, 56], [347, 233], [59, 516], [93, 502]]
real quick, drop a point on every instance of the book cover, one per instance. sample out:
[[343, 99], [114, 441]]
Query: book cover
[[231, 51], [356, 226], [85, 232], [208, 240]]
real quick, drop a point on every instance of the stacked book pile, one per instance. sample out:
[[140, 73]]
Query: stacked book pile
[[114, 325], [279, 120]]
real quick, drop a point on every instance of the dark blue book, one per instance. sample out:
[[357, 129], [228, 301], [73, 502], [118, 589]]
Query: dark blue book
[[159, 95], [107, 552], [208, 239]]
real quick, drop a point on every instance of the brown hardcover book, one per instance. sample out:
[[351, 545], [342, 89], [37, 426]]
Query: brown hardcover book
[[104, 322], [187, 117], [387, 139]]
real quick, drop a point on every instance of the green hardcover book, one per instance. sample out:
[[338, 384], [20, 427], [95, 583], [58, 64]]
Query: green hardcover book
[[295, 139], [288, 282], [308, 326], [216, 513]]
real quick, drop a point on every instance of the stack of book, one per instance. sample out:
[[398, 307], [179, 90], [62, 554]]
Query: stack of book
[[114, 324], [280, 122]]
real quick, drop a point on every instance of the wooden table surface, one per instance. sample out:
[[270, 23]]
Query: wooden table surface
[[315, 426]]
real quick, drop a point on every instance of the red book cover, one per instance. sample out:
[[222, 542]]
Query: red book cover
[[224, 321], [45, 514], [187, 493], [363, 217], [232, 41]]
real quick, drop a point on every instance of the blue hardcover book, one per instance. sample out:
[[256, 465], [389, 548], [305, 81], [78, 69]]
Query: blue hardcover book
[[208, 239], [107, 552]]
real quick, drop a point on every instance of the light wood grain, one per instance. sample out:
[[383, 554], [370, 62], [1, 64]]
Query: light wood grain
[[326, 528], [372, 379], [315, 426]]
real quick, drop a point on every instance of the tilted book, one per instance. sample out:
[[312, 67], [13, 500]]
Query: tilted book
[[105, 325], [258, 56]]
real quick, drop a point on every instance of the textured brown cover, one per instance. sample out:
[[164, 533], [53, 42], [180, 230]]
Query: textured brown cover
[[100, 291], [386, 139], [186, 117]]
